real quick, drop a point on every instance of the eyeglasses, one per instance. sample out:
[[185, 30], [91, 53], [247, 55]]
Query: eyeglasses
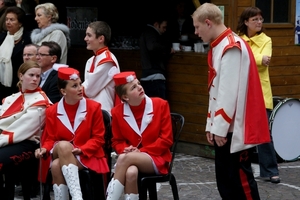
[[29, 55], [42, 54], [256, 20]]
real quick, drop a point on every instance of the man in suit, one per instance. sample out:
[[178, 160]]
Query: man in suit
[[30, 52], [49, 54]]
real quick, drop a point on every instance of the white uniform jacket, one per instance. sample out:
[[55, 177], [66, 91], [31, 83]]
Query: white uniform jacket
[[236, 102], [98, 78], [20, 118]]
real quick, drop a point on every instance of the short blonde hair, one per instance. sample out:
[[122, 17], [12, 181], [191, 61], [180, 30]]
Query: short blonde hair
[[49, 10], [208, 11]]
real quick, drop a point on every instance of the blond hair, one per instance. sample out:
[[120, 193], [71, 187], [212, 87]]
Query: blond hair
[[208, 11], [49, 9]]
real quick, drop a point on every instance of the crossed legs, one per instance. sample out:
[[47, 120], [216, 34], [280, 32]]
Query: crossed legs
[[64, 171], [126, 174]]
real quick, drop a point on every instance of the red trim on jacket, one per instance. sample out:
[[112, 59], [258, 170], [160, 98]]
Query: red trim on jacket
[[232, 43], [10, 136], [15, 108], [208, 115], [108, 58], [211, 71], [224, 115]]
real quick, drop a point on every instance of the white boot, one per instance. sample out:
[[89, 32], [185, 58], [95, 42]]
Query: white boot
[[114, 190], [131, 196], [61, 192], [71, 175]]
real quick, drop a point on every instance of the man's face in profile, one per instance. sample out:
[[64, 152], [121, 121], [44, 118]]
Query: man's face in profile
[[162, 27]]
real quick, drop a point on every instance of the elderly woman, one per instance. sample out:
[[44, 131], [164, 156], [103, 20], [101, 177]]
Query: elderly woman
[[11, 50], [4, 4], [142, 136], [46, 16], [74, 136], [21, 117]]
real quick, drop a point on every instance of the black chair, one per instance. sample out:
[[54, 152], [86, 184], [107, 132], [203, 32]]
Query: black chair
[[148, 182], [93, 185]]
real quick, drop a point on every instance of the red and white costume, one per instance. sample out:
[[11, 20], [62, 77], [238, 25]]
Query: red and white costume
[[154, 136], [98, 78], [87, 133], [237, 107], [20, 118]]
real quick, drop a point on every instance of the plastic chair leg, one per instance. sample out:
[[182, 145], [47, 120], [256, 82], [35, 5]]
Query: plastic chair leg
[[85, 181], [174, 187], [142, 187], [152, 191]]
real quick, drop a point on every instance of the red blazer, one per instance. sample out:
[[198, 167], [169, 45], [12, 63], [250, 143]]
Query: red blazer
[[155, 135], [87, 134]]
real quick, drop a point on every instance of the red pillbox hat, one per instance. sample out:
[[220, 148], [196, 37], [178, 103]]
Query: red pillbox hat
[[68, 73], [124, 77]]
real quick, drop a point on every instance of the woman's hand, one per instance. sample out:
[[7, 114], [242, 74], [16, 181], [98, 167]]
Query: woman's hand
[[130, 149], [266, 60], [40, 152], [76, 151]]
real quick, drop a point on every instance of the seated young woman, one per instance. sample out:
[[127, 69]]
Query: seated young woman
[[73, 136], [21, 116], [142, 136]]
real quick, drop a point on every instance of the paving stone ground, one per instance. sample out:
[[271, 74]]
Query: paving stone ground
[[196, 181]]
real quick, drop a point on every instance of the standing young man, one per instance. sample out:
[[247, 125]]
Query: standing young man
[[236, 119], [99, 69]]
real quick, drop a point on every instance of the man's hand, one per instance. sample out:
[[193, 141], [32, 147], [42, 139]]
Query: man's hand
[[220, 141], [210, 138]]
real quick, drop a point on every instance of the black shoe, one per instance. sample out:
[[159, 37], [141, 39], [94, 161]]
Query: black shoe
[[275, 179]]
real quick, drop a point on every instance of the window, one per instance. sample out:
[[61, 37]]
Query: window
[[275, 11]]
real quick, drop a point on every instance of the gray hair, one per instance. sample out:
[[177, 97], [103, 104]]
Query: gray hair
[[49, 10]]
